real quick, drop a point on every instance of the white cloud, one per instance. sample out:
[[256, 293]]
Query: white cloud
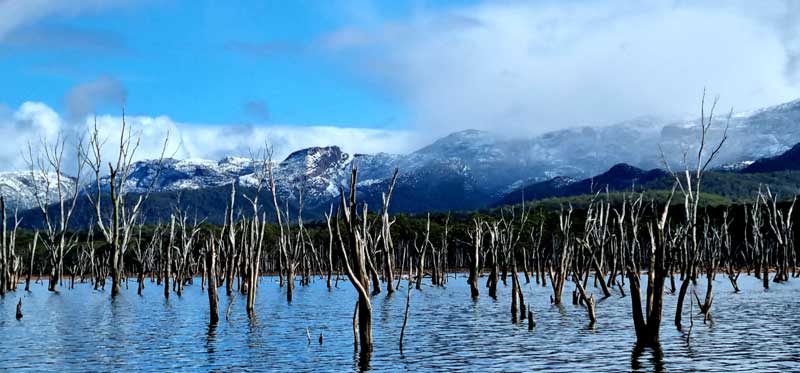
[[33, 121], [29, 123], [521, 67]]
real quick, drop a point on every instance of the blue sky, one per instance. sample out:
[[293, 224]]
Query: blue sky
[[223, 77], [203, 61]]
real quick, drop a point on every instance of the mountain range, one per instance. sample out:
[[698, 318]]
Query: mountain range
[[464, 170]]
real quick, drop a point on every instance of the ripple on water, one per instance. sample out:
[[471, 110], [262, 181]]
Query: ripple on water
[[82, 329]]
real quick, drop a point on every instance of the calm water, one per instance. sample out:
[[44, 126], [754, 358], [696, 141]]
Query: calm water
[[83, 330]]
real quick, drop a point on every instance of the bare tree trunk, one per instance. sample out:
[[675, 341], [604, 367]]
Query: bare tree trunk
[[140, 279], [328, 217], [477, 242], [30, 268], [353, 249], [681, 298], [405, 316], [599, 275], [587, 300], [514, 296], [290, 276], [420, 270], [168, 257], [520, 294], [376, 281], [211, 270], [388, 245], [493, 278], [19, 309]]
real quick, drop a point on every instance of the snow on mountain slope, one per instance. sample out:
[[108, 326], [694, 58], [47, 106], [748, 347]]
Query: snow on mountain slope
[[20, 188], [482, 165], [316, 171], [175, 175]]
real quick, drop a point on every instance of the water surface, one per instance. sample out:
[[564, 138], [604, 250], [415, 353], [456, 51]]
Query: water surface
[[84, 330]]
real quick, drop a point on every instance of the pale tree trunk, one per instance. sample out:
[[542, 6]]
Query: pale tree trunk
[[388, 245], [211, 273], [30, 267]]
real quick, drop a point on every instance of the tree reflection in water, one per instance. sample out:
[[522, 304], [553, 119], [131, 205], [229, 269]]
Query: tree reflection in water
[[656, 358]]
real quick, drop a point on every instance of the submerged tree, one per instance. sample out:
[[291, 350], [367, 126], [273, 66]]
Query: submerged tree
[[476, 235], [664, 239], [353, 251], [117, 224], [689, 181], [648, 323], [48, 167]]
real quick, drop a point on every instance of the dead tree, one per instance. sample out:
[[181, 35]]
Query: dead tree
[[536, 252], [690, 182], [32, 248], [144, 254], [493, 229], [648, 323], [440, 256], [731, 253], [782, 237], [255, 235], [710, 250], [55, 188], [594, 241], [293, 246], [19, 309], [328, 217], [211, 272], [588, 300], [229, 229], [386, 237], [561, 256], [476, 236], [9, 263], [421, 253], [116, 225], [597, 237], [167, 255], [187, 240], [509, 235], [405, 315], [353, 256], [370, 245]]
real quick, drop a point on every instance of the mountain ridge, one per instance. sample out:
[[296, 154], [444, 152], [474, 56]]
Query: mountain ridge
[[471, 168]]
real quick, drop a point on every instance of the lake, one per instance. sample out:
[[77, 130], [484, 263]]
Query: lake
[[84, 330]]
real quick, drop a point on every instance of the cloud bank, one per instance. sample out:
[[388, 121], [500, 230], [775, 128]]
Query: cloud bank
[[33, 122], [528, 67]]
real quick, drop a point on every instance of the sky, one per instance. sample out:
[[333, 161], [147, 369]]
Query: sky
[[224, 77]]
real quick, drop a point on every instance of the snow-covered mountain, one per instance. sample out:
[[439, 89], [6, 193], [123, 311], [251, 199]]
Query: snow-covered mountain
[[175, 175], [20, 189], [482, 167], [315, 172]]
